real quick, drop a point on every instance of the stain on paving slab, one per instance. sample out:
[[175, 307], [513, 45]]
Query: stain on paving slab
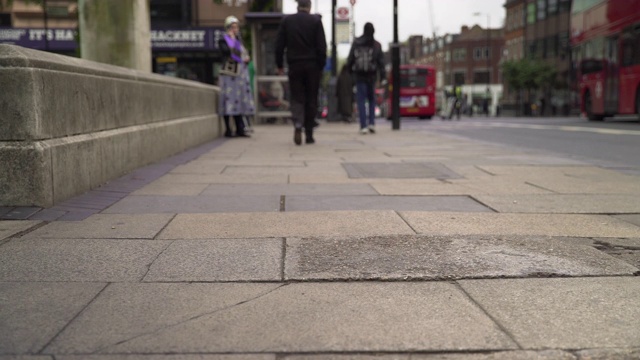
[[399, 170], [443, 257]]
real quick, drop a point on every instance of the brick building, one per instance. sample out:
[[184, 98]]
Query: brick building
[[539, 30], [470, 59]]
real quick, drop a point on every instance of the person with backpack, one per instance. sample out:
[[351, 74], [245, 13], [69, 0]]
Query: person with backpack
[[366, 61], [302, 36]]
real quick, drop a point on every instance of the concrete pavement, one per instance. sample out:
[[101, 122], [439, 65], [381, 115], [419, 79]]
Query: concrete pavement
[[396, 245]]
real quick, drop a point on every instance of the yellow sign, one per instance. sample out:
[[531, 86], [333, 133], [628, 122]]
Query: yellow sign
[[165, 60]]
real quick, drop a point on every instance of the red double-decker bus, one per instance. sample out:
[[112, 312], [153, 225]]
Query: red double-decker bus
[[417, 92], [605, 39]]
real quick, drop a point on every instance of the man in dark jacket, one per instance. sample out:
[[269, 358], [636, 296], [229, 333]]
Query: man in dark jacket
[[366, 62], [302, 35]]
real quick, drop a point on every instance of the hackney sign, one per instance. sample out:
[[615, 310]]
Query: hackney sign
[[161, 39]]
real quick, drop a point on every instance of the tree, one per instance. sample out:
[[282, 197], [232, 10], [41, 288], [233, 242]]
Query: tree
[[528, 75]]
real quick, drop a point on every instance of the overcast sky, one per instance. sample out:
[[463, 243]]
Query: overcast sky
[[414, 16]]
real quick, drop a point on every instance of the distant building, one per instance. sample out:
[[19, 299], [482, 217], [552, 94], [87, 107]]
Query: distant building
[[470, 59], [539, 30]]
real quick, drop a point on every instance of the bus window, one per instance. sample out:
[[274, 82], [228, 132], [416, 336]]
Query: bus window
[[590, 66], [413, 78]]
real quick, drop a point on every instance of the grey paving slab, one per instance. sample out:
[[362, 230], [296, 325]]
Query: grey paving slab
[[11, 227], [199, 167], [608, 354], [127, 311], [502, 355], [578, 313], [171, 189], [31, 314], [439, 257], [219, 260], [376, 202], [20, 213], [452, 187], [279, 178], [153, 204], [348, 357], [563, 203], [572, 185], [170, 357], [325, 317], [281, 224], [26, 357], [77, 259], [399, 170], [632, 218], [106, 226], [289, 189], [48, 214], [478, 223]]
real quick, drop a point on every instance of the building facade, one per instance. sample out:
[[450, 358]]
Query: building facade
[[184, 33], [540, 30]]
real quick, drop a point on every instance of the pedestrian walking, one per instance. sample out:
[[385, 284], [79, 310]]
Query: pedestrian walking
[[236, 99], [456, 102], [344, 93], [302, 36], [366, 61]]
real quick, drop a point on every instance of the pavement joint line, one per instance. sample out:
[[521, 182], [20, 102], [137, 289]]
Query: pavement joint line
[[155, 237], [283, 263], [23, 232], [406, 222], [484, 311], [542, 187], [282, 203], [483, 204], [53, 338], [154, 260]]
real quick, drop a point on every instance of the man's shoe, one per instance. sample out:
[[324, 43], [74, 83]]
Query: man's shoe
[[297, 136], [243, 135], [372, 129], [310, 140], [364, 131]]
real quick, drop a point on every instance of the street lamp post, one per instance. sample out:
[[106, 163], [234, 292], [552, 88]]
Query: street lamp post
[[488, 90], [395, 70]]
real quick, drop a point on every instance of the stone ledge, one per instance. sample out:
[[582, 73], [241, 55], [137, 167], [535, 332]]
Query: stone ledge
[[70, 125], [46, 172]]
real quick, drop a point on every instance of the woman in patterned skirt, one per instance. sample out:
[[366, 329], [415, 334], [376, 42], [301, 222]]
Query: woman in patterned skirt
[[235, 93]]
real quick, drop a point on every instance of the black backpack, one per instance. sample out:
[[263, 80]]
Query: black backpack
[[364, 59]]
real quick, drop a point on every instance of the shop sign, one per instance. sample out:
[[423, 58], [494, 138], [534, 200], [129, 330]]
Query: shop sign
[[55, 39], [161, 39], [186, 39]]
